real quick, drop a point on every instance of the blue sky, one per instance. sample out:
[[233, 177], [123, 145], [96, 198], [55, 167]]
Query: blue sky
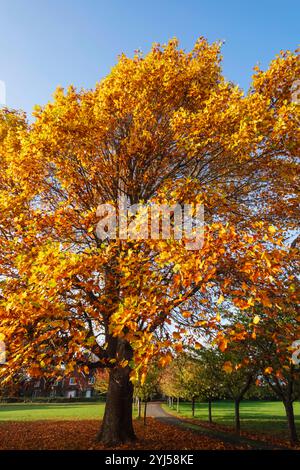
[[47, 43]]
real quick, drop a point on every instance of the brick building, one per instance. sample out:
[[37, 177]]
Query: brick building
[[74, 385]]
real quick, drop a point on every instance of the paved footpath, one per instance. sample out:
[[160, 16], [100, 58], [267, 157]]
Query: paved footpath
[[155, 410]]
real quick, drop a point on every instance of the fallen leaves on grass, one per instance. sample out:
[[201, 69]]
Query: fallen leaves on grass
[[81, 435], [279, 439]]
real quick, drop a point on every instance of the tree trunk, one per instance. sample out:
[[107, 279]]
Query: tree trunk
[[237, 417], [289, 409], [145, 412], [209, 411], [139, 408], [117, 426], [193, 407]]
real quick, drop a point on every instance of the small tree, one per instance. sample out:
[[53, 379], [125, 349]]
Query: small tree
[[170, 383], [237, 383], [234, 373], [182, 379], [190, 377], [271, 329], [209, 387], [273, 349], [144, 391], [101, 381]]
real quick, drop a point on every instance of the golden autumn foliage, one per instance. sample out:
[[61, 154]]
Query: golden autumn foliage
[[80, 435], [162, 128]]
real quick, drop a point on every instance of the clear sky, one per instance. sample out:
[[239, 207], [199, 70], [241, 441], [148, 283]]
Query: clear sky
[[46, 43]]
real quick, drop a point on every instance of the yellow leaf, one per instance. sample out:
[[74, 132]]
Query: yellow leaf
[[165, 360], [178, 347], [176, 268], [220, 299], [266, 301], [256, 319], [186, 314], [223, 345], [176, 335], [227, 367], [271, 229]]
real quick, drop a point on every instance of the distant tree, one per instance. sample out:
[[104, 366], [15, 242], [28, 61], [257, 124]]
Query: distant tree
[[209, 387], [189, 377], [269, 333], [233, 373], [237, 383], [171, 381], [150, 386], [101, 381], [274, 354]]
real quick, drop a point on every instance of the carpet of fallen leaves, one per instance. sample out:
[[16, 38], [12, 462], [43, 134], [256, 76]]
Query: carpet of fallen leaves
[[273, 439], [73, 435]]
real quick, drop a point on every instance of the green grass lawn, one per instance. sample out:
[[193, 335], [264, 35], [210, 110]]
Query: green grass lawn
[[58, 411], [257, 416]]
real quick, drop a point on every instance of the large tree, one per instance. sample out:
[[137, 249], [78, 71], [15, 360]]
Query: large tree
[[163, 128]]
